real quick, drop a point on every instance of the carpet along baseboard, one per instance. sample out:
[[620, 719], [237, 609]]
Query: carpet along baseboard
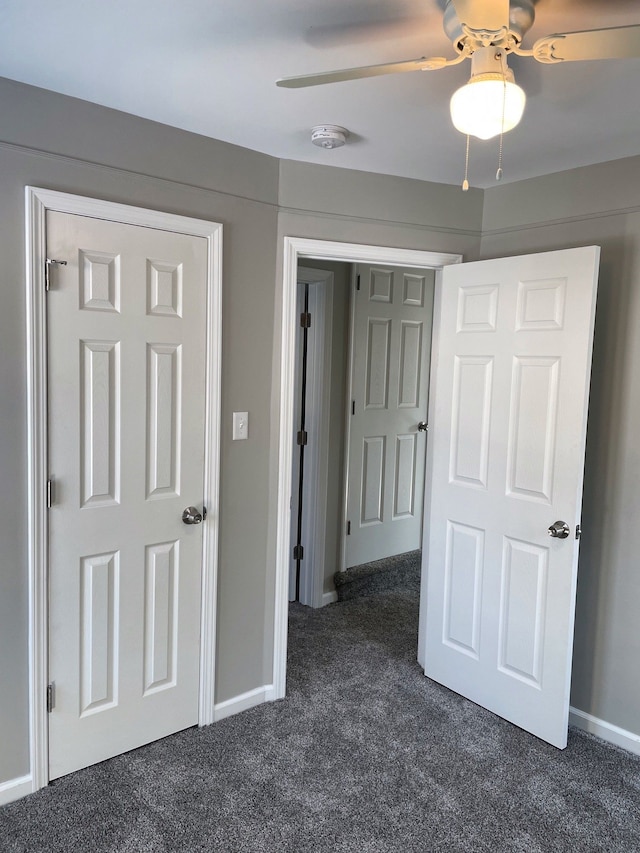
[[606, 731], [14, 789], [329, 597], [243, 702]]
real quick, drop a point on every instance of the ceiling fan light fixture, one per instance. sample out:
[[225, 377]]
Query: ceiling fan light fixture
[[489, 104]]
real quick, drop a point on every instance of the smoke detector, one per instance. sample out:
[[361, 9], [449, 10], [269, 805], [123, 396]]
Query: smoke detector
[[329, 136]]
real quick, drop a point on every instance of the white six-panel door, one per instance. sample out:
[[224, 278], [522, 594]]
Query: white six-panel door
[[390, 383], [126, 320], [508, 430]]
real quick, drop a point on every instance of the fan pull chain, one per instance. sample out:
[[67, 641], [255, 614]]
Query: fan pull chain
[[499, 172], [465, 183], [504, 101]]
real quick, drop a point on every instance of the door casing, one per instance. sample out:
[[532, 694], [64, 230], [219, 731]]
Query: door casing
[[37, 202], [314, 498], [295, 249]]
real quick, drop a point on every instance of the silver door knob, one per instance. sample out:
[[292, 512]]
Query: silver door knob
[[559, 530], [191, 515], [423, 426]]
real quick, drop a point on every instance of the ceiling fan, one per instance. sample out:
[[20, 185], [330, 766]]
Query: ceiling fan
[[487, 31]]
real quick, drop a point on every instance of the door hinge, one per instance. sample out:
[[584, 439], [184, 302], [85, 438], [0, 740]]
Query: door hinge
[[49, 262], [358, 282], [578, 531], [302, 438], [348, 528], [353, 407], [49, 494], [298, 552], [305, 320], [51, 697]]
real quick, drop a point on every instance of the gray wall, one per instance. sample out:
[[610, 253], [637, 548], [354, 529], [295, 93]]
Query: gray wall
[[358, 207], [61, 143], [597, 205], [157, 167]]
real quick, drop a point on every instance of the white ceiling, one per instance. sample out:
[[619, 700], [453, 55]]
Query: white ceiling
[[210, 66]]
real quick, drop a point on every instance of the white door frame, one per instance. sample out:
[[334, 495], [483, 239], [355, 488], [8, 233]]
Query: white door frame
[[294, 249], [37, 203], [347, 416], [314, 500]]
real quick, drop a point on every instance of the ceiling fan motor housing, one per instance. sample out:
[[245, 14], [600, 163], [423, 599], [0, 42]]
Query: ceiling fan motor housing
[[521, 17]]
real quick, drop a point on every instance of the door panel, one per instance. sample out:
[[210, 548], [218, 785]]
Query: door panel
[[162, 575], [99, 597], [100, 437], [391, 354], [127, 336], [507, 455], [405, 471], [463, 571]]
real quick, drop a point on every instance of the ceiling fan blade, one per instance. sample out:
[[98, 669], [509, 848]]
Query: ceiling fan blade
[[613, 43], [423, 64], [361, 32], [490, 15]]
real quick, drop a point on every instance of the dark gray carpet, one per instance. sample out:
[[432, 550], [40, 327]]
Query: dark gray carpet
[[365, 755], [379, 576]]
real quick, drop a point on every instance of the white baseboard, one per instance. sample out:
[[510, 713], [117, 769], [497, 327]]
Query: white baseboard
[[14, 789], [606, 731], [329, 597], [243, 702]]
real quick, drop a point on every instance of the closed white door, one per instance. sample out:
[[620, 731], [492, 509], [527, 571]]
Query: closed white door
[[126, 323], [390, 387], [511, 388]]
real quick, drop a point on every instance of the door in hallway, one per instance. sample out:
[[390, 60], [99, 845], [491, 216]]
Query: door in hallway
[[390, 388]]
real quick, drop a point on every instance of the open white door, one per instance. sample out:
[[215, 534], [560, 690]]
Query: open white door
[[390, 387], [508, 421]]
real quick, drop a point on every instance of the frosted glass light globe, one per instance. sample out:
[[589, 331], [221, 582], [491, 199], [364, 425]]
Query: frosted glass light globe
[[477, 107]]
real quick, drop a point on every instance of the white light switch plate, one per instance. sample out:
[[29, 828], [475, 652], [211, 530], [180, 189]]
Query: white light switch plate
[[240, 425]]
